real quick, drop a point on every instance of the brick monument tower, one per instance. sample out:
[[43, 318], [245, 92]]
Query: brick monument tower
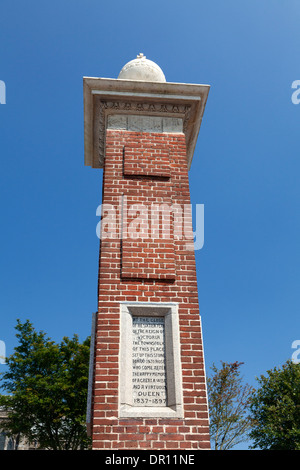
[[147, 387]]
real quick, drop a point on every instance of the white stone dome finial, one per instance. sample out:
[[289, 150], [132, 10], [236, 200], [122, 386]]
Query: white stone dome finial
[[142, 69]]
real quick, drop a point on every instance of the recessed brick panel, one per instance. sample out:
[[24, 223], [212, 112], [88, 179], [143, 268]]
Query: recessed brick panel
[[147, 248], [147, 159], [144, 259]]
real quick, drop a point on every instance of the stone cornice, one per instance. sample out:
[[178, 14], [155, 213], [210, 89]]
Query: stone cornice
[[104, 97]]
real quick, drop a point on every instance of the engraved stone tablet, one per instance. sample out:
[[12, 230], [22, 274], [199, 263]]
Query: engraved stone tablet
[[149, 384]]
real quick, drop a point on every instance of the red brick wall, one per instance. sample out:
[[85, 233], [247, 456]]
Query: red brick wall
[[153, 277]]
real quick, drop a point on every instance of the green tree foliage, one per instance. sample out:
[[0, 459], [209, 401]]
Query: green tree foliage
[[46, 389], [276, 409], [228, 400]]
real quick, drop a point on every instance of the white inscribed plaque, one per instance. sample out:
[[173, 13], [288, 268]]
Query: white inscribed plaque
[[148, 361]]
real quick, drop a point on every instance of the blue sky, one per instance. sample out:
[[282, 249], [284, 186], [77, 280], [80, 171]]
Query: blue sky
[[245, 168]]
